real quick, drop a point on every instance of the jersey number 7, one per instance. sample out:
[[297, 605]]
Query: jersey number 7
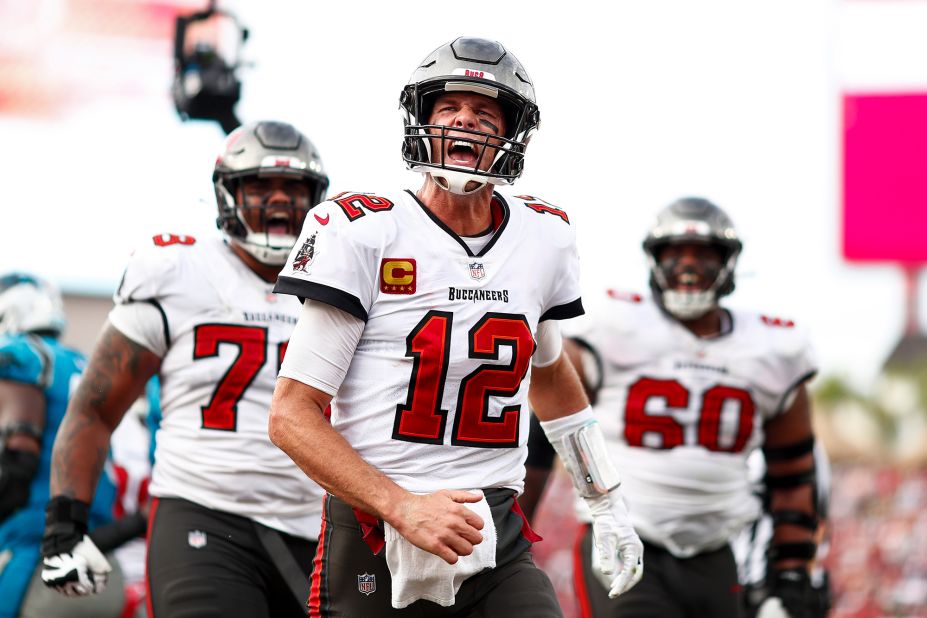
[[421, 419], [222, 411]]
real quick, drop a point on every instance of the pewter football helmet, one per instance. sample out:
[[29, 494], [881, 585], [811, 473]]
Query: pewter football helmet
[[265, 149], [692, 219], [29, 304], [469, 65]]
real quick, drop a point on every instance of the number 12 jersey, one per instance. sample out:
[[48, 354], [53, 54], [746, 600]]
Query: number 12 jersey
[[436, 393]]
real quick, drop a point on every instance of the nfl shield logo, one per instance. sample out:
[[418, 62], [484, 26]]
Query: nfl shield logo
[[196, 539], [367, 583], [477, 271]]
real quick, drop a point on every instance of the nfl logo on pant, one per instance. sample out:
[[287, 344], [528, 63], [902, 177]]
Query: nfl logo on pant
[[367, 583], [196, 539]]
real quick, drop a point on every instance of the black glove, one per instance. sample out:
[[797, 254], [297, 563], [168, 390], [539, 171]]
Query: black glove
[[793, 589], [72, 564]]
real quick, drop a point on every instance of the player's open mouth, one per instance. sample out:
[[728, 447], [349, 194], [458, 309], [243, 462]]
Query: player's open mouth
[[462, 153], [278, 223], [689, 281]]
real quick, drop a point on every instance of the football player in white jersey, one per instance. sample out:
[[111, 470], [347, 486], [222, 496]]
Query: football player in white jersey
[[684, 390], [233, 523], [426, 316]]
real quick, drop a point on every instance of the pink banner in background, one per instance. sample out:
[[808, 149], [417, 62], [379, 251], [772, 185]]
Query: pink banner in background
[[885, 177]]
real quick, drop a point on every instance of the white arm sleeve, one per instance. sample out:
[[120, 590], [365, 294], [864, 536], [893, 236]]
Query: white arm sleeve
[[550, 344], [143, 323], [321, 346]]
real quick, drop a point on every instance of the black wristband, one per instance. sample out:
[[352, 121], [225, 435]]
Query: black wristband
[[62, 509], [800, 550], [65, 525]]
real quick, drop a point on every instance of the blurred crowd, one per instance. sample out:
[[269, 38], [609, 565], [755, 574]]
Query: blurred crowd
[[878, 541], [877, 548]]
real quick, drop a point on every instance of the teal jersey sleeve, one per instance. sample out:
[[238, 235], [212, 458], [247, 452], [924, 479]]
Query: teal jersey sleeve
[[24, 359]]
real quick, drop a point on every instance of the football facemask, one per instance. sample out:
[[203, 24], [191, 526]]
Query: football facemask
[[469, 65], [692, 220], [265, 229]]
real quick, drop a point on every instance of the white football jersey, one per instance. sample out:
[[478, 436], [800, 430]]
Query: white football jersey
[[436, 394], [681, 414], [226, 334]]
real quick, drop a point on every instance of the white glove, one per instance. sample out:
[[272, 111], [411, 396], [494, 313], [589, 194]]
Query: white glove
[[618, 553], [772, 608], [81, 572]]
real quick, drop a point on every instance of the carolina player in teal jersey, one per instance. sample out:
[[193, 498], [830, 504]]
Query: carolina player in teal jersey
[[37, 374]]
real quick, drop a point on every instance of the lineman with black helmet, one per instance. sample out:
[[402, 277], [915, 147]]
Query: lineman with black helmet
[[233, 523], [685, 390], [440, 305]]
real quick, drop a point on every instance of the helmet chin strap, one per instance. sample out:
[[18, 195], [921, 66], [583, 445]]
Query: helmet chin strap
[[456, 182], [273, 254], [688, 305]]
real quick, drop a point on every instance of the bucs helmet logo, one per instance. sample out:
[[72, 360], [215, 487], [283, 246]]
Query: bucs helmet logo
[[305, 255]]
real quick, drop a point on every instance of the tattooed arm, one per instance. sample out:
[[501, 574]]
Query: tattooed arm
[[115, 377]]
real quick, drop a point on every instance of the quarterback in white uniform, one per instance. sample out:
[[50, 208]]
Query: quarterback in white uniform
[[427, 314], [684, 391], [234, 522]]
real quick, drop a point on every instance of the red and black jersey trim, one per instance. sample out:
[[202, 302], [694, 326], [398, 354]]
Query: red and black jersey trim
[[579, 575], [564, 312], [319, 601], [500, 219], [324, 294], [152, 514]]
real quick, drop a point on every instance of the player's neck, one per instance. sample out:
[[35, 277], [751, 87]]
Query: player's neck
[[465, 215], [265, 271], [712, 324]]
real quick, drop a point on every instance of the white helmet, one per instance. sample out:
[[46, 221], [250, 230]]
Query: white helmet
[[29, 304], [265, 149], [469, 65], [692, 219]]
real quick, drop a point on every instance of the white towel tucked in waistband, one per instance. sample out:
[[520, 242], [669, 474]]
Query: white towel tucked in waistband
[[418, 574]]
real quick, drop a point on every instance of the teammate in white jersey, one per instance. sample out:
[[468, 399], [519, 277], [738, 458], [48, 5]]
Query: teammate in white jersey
[[684, 390], [233, 522], [426, 315]]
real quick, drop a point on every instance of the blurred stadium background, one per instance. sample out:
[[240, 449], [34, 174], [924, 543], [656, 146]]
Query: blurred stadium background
[[807, 120]]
